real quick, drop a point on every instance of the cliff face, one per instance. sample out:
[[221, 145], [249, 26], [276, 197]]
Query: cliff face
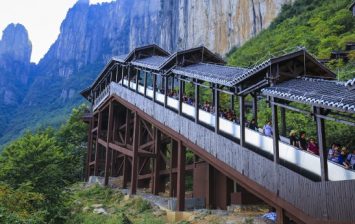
[[91, 34], [15, 53]]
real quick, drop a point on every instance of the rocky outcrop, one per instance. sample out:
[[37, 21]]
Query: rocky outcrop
[[91, 34]]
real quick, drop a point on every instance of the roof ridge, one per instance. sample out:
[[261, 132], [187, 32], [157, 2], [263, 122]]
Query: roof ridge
[[321, 80]]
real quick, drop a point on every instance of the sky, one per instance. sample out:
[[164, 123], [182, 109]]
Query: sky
[[42, 19]]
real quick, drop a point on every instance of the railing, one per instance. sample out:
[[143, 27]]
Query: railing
[[299, 158], [101, 98]]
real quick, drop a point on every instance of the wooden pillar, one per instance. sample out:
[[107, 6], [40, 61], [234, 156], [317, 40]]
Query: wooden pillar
[[197, 101], [123, 68], [154, 85], [96, 167], [88, 158], [255, 107], [275, 130], [280, 216], [216, 108], [128, 127], [166, 90], [181, 178], [180, 96], [232, 102], [173, 164], [323, 154], [108, 139], [134, 174], [137, 80], [125, 172], [242, 120], [157, 144], [283, 121], [145, 83], [129, 77]]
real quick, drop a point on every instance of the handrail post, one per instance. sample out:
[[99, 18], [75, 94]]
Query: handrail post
[[242, 120], [275, 130], [321, 144], [180, 96], [154, 86], [145, 84], [166, 90], [216, 108], [197, 99]]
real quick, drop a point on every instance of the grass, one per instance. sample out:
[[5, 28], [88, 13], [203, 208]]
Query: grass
[[120, 211]]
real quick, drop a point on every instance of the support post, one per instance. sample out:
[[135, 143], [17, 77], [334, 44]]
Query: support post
[[166, 90], [137, 79], [242, 120], [88, 159], [181, 178], [283, 121], [321, 143], [173, 164], [275, 130], [232, 102], [157, 144], [134, 174], [180, 96], [216, 108], [108, 139], [255, 107], [154, 86], [96, 167], [197, 101], [125, 172], [145, 84]]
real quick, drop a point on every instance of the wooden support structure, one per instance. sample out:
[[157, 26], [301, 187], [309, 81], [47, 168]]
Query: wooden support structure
[[197, 102], [181, 177], [157, 145], [283, 121], [275, 132], [98, 132], [255, 107], [181, 94], [109, 138], [216, 108], [242, 120], [135, 155], [88, 157], [323, 153]]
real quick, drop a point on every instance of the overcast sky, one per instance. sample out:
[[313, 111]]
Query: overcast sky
[[42, 19]]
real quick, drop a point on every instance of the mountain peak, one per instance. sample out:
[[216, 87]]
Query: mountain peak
[[15, 43]]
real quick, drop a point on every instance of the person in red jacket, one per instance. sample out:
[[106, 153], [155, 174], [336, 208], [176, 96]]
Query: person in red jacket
[[312, 146]]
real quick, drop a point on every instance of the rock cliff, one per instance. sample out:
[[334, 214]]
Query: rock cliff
[[91, 34]]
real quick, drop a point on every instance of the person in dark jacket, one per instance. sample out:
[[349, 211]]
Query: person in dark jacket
[[293, 138], [302, 141], [253, 125]]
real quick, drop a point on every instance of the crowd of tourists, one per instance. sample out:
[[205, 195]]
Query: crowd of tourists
[[337, 153]]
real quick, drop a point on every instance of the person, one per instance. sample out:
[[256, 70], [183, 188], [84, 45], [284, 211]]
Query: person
[[302, 141], [337, 157], [331, 151], [267, 130], [350, 160], [293, 138], [253, 125], [312, 146]]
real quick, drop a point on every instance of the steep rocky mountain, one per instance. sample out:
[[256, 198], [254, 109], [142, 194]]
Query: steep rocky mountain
[[91, 34], [15, 70]]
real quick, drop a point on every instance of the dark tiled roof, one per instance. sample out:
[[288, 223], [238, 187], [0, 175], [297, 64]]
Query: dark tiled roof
[[220, 74], [153, 62], [350, 84], [318, 92], [120, 58]]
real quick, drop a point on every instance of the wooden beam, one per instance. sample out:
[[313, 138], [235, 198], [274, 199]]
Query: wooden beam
[[180, 96], [180, 206], [125, 172], [128, 126], [89, 152], [323, 153], [197, 102], [275, 134], [97, 143], [242, 120], [255, 107], [216, 108], [135, 155], [283, 121], [157, 145], [109, 138], [120, 149]]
